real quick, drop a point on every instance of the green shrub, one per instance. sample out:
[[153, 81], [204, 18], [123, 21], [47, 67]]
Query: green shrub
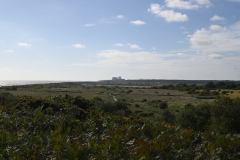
[[163, 105], [117, 108], [168, 116], [226, 115], [96, 99], [82, 102], [144, 100], [146, 114], [225, 92], [196, 118], [215, 93], [138, 111], [204, 93], [137, 105], [188, 106]]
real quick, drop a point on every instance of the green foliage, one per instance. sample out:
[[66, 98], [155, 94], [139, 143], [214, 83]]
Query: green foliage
[[210, 85], [117, 108], [188, 106], [97, 99], [163, 105], [129, 91], [138, 111], [70, 132], [82, 102], [204, 93], [226, 115], [137, 105], [168, 116], [215, 93], [196, 118], [146, 114]]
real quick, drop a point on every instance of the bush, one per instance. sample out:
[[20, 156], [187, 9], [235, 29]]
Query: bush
[[188, 106], [82, 102], [146, 114], [168, 116], [137, 105], [225, 92], [163, 105], [144, 100], [97, 99], [204, 93], [215, 93], [138, 111], [226, 115], [196, 118], [115, 108]]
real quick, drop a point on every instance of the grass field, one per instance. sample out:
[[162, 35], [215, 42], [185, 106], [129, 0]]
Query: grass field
[[132, 95]]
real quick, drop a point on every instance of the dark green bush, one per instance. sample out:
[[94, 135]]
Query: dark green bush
[[163, 105], [137, 105], [117, 108], [146, 114], [97, 99], [226, 115], [138, 111], [196, 118], [168, 116], [82, 102], [188, 106]]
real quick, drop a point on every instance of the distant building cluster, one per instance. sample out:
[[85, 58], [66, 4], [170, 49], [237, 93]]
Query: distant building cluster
[[117, 78]]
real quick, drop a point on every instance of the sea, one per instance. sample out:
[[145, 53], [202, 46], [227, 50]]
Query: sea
[[24, 82]]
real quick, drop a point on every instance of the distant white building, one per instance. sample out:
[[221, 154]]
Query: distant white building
[[114, 78], [117, 78]]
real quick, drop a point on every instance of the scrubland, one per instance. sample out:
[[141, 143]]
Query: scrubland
[[82, 121]]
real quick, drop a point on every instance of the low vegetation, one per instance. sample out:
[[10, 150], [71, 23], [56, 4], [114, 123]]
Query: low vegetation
[[142, 124]]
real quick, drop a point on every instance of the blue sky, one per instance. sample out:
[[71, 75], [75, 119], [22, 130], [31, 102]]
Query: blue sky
[[98, 39]]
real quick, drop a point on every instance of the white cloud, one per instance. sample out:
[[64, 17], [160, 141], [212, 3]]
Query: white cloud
[[217, 28], [23, 44], [190, 4], [180, 4], [185, 32], [153, 48], [181, 55], [119, 44], [9, 51], [79, 46], [167, 66], [120, 16], [206, 3], [138, 22], [217, 18], [169, 15], [134, 46], [183, 28], [215, 56], [217, 39], [122, 59], [89, 25]]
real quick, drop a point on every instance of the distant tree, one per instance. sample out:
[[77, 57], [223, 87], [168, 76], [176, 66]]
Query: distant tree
[[220, 85], [210, 85], [230, 85]]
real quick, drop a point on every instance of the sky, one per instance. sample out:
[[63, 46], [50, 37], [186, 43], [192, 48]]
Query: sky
[[89, 40]]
